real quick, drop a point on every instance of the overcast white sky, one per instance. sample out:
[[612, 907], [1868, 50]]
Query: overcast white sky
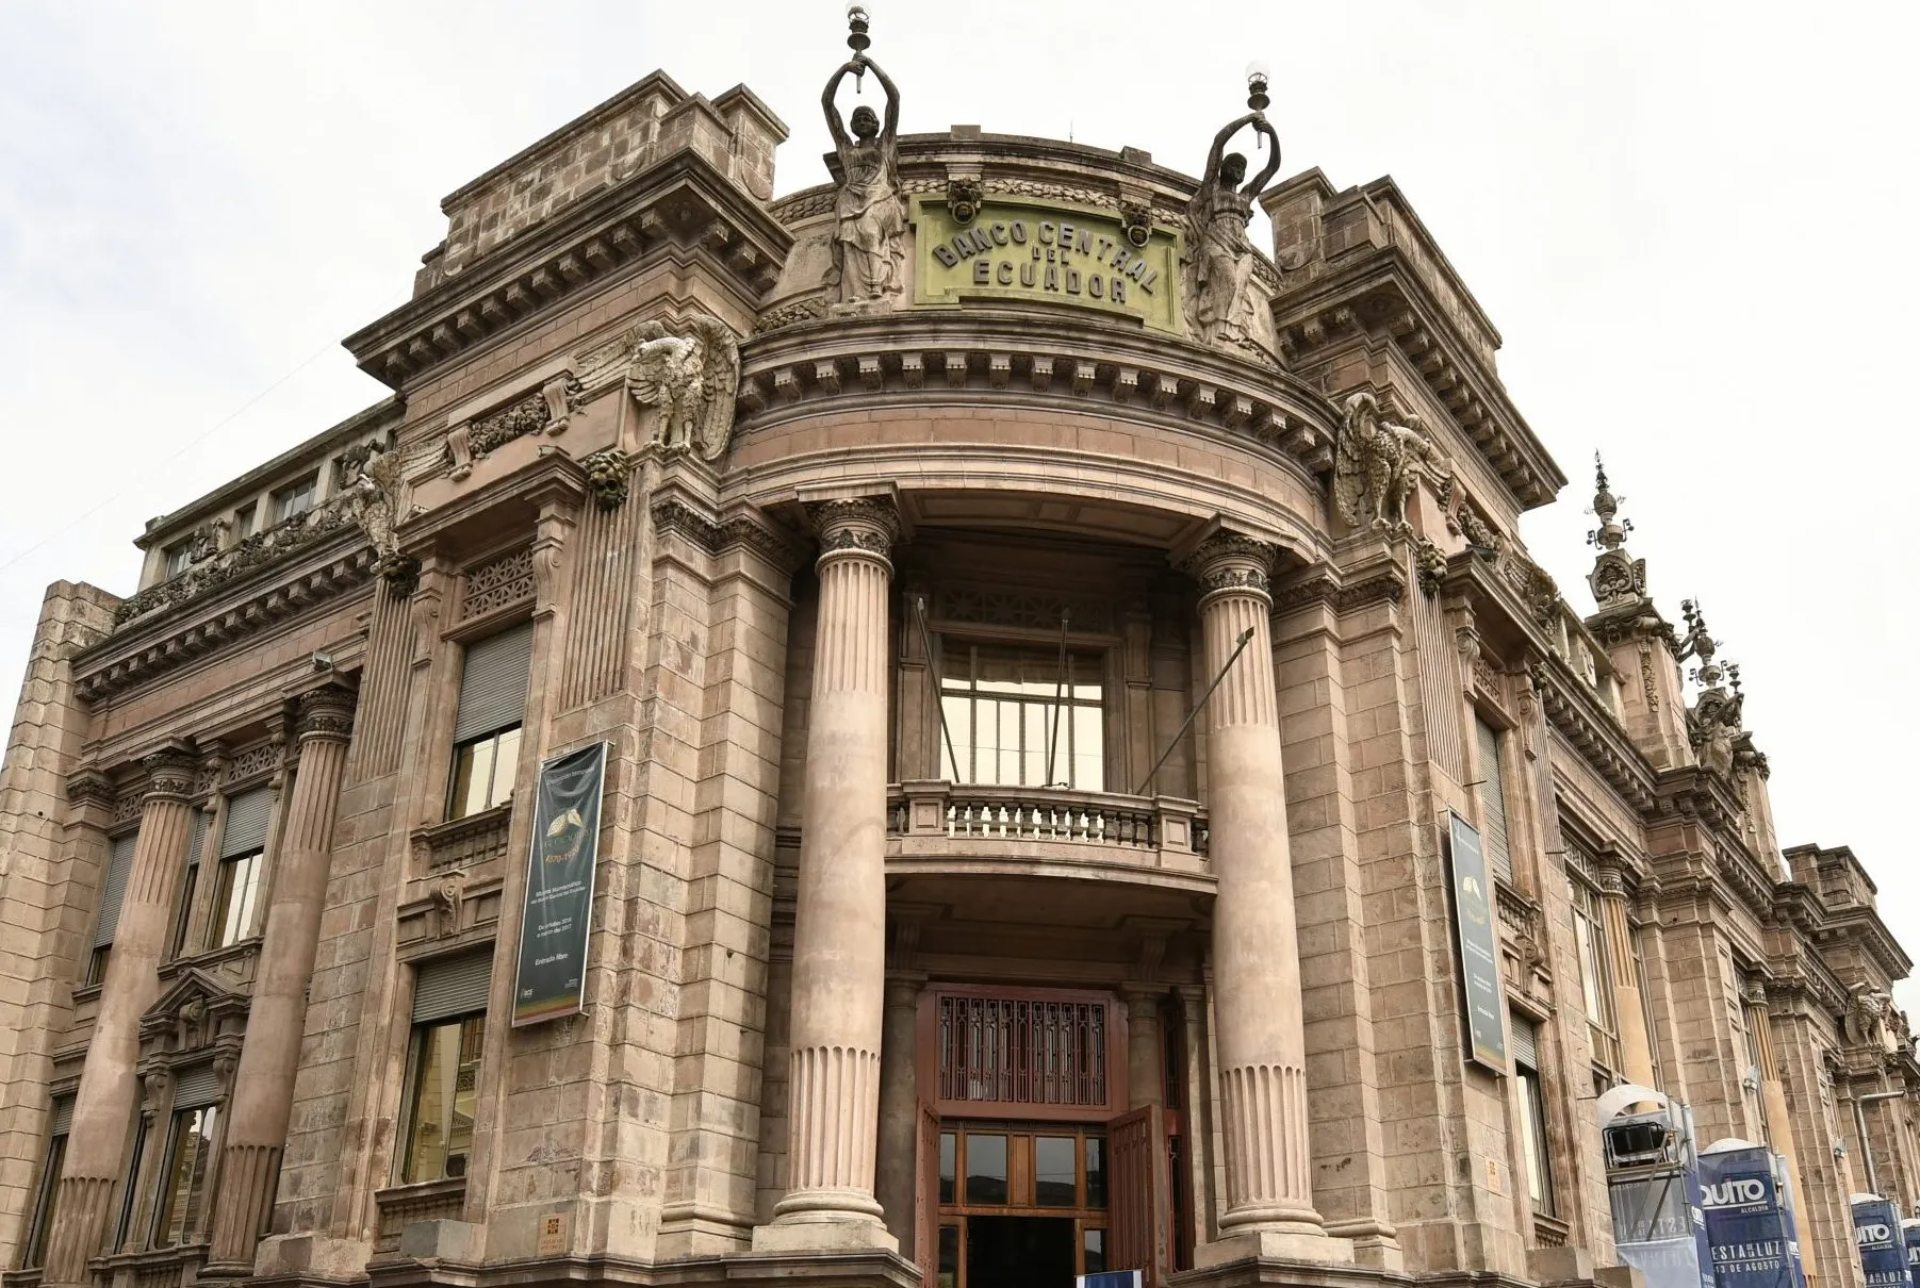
[[1690, 223]]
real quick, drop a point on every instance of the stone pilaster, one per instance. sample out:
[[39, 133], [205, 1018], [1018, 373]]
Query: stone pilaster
[[103, 1108], [1146, 1076], [263, 1086], [1256, 956], [839, 953]]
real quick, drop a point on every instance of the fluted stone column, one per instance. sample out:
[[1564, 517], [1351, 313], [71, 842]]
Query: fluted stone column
[[897, 1179], [1256, 954], [839, 946], [263, 1087], [1629, 1007], [103, 1107]]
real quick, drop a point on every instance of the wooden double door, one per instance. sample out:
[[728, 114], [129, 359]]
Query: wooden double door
[[1031, 1204]]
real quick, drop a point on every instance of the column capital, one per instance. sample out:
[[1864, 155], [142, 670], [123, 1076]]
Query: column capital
[[1231, 561], [869, 524], [90, 786], [170, 771], [327, 714]]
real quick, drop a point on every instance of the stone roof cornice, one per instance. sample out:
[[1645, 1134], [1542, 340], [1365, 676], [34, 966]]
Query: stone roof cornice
[[1044, 359], [680, 206], [1591, 730]]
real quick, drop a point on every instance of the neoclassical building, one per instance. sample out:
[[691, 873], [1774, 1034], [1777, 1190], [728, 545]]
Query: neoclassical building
[[1029, 648]]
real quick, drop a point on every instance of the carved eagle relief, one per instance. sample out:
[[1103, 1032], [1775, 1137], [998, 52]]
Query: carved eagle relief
[[690, 371]]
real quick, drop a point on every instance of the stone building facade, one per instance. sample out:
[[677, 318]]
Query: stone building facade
[[1039, 639]]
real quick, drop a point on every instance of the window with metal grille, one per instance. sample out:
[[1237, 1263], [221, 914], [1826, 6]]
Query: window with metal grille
[[998, 1050]]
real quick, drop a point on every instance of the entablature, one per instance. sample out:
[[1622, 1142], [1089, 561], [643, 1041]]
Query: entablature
[[1036, 358], [682, 206], [1384, 293]]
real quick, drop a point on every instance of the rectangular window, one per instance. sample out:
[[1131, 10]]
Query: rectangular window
[[443, 1067], [1022, 717], [243, 521], [445, 1071], [242, 852], [1596, 974], [43, 1205], [183, 1181], [1532, 1106], [1493, 801], [124, 1227], [189, 884], [295, 498], [486, 733], [179, 558], [119, 865], [234, 898]]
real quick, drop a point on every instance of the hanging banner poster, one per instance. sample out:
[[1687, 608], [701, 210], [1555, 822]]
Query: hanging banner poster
[[1746, 1224], [1658, 1228], [1911, 1227], [557, 915], [1479, 950], [1881, 1242]]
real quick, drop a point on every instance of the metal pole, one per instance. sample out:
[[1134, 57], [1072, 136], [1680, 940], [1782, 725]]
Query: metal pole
[[1246, 637], [1059, 681], [940, 707], [1860, 1133]]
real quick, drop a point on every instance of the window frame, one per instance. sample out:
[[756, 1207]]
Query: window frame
[[1021, 1179], [307, 486], [45, 1202], [967, 695], [455, 809], [418, 1055], [1502, 869], [1536, 1140], [169, 1191], [217, 923], [176, 559], [1594, 951]]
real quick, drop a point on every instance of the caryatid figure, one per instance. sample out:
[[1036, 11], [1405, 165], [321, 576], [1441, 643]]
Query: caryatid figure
[[1220, 306], [869, 239]]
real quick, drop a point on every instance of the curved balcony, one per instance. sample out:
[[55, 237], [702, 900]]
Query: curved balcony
[[937, 828]]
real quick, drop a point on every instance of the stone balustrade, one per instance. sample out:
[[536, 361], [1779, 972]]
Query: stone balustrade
[[1149, 831]]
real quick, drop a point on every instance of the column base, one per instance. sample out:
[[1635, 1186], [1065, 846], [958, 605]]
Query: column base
[[824, 1234], [1274, 1245]]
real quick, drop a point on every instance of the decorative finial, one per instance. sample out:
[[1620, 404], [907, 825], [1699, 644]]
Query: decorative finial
[[1257, 79], [1617, 578], [1609, 535], [857, 39], [1698, 642]]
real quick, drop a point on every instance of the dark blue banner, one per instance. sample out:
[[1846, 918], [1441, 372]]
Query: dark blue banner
[[1746, 1224], [1912, 1229], [1658, 1229], [1882, 1243]]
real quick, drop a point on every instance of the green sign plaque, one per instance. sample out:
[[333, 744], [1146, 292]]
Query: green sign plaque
[[1045, 252]]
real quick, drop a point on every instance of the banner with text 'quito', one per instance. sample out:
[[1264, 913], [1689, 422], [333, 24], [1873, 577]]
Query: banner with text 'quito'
[[557, 916], [1881, 1242], [1747, 1229]]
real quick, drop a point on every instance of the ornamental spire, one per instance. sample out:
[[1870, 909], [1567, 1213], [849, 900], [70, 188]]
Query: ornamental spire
[[1617, 577], [1713, 721]]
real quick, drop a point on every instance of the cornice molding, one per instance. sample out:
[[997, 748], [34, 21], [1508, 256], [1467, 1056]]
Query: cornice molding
[[1384, 296], [682, 203], [170, 638], [717, 536], [928, 357], [1591, 730]]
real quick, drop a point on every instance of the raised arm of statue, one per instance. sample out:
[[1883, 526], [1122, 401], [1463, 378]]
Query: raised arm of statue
[[1219, 148], [1260, 181], [892, 124], [835, 125]]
